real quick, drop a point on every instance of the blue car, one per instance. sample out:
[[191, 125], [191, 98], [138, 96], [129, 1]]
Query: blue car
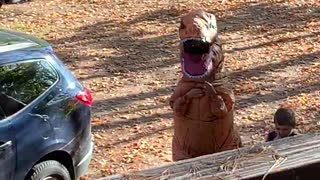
[[45, 112]]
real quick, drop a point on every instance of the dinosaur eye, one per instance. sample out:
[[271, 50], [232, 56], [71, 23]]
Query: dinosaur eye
[[182, 26]]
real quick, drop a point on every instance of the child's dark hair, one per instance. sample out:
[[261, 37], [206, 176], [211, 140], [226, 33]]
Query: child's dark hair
[[285, 117]]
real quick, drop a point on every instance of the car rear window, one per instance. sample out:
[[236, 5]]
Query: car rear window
[[21, 83]]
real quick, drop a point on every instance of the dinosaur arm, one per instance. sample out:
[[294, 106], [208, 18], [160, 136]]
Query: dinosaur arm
[[221, 100], [218, 106], [180, 105]]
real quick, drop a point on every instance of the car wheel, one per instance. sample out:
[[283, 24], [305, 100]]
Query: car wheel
[[49, 170]]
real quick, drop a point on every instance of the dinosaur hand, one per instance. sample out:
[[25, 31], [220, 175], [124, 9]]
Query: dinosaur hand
[[210, 89], [195, 93]]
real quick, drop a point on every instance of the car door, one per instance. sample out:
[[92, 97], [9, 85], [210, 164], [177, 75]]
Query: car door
[[7, 151], [24, 86]]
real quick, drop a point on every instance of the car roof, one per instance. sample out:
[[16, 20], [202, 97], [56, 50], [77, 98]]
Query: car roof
[[17, 45]]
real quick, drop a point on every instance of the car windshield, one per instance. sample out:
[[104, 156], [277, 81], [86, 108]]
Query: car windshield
[[21, 83]]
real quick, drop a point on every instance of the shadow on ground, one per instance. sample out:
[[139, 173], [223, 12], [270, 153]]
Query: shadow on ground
[[140, 50]]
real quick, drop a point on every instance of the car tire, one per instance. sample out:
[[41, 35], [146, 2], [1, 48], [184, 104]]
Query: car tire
[[13, 1], [47, 169]]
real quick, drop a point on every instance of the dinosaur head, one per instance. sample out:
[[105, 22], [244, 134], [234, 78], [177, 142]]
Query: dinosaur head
[[197, 32]]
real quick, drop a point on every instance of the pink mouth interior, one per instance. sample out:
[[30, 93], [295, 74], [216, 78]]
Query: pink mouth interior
[[195, 64]]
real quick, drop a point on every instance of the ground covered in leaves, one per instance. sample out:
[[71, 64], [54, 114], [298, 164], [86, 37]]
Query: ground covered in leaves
[[126, 52]]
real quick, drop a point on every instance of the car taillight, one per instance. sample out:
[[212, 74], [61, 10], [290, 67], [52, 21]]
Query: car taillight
[[85, 97]]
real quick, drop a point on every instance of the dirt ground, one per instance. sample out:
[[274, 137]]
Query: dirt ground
[[125, 51]]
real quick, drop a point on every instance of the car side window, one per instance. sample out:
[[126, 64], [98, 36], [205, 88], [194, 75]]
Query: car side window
[[21, 83]]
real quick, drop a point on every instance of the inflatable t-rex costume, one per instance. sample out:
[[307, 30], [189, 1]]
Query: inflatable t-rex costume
[[202, 103]]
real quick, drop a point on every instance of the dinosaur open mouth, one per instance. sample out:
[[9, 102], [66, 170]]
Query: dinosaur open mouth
[[196, 58]]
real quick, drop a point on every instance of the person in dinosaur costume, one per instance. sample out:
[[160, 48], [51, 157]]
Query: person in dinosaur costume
[[202, 103]]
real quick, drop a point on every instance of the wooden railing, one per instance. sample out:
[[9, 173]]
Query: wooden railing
[[291, 158]]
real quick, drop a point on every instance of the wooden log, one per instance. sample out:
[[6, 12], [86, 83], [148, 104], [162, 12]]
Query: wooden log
[[250, 162]]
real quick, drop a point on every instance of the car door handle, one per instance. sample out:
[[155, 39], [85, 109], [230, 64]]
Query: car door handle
[[5, 145]]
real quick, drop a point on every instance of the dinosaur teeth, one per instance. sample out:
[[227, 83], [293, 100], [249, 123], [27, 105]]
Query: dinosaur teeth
[[199, 76]]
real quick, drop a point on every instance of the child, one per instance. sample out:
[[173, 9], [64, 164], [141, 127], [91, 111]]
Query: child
[[285, 122]]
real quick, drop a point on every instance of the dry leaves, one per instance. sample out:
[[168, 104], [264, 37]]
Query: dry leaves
[[126, 53]]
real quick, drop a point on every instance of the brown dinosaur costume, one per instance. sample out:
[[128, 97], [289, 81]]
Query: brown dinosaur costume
[[202, 102]]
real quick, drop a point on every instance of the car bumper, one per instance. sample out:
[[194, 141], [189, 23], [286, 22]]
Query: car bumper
[[83, 165]]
